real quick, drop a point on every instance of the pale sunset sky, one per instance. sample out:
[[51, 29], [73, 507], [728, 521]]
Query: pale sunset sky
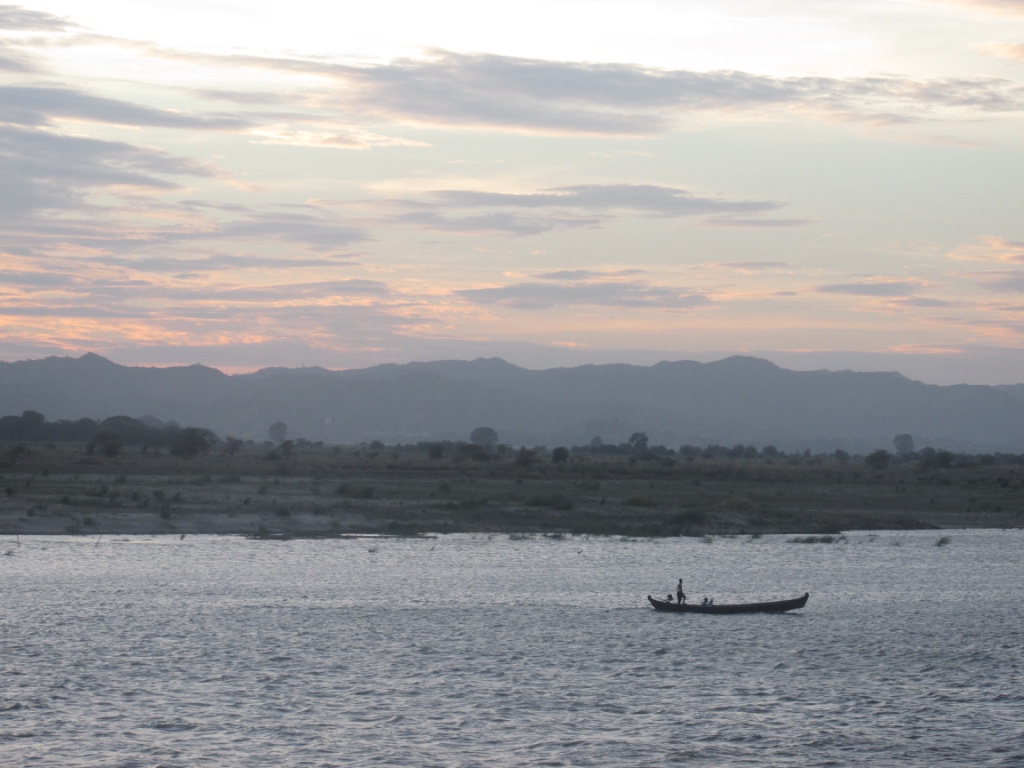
[[244, 184]]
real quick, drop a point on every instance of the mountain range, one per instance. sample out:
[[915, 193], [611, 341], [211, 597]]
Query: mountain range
[[738, 400]]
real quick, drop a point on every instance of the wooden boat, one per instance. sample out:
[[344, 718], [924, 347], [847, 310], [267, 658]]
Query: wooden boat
[[775, 606]]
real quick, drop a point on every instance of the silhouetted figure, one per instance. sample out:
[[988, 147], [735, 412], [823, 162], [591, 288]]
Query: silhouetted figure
[[704, 601], [680, 595]]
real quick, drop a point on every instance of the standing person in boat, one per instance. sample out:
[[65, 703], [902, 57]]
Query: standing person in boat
[[680, 595]]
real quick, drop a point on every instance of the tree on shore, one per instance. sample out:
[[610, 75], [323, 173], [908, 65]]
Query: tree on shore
[[878, 459], [485, 437], [191, 442], [904, 444], [108, 442], [638, 440]]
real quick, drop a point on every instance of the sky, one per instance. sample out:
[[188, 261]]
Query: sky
[[821, 183]]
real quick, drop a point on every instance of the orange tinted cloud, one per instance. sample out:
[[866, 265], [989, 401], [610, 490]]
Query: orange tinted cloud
[[990, 248]]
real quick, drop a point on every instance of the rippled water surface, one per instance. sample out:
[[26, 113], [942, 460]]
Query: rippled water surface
[[491, 651]]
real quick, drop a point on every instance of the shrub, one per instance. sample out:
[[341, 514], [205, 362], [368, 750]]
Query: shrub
[[191, 442], [17, 452], [878, 459], [109, 443]]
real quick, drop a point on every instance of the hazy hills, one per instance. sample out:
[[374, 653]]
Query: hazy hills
[[736, 400]]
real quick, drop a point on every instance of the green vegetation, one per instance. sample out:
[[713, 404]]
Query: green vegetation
[[208, 486]]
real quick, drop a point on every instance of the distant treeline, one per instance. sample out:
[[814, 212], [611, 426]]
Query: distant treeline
[[926, 458], [108, 435]]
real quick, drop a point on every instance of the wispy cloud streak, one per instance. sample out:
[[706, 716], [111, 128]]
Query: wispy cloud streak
[[872, 288], [457, 90], [632, 294], [19, 19], [591, 205]]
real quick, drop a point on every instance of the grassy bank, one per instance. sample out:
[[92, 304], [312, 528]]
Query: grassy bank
[[331, 491]]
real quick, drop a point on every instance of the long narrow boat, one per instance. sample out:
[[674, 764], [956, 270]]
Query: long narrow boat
[[775, 606]]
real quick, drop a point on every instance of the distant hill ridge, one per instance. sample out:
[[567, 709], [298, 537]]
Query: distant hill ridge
[[731, 401]]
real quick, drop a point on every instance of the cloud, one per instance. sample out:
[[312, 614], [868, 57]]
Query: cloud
[[872, 288], [319, 233], [497, 222], [58, 174], [644, 198], [1009, 281], [247, 98], [35, 279], [16, 18], [607, 294], [37, 106], [17, 63], [1005, 50], [755, 266], [185, 300], [587, 274], [565, 207], [352, 139], [223, 262], [742, 222], [508, 93], [990, 248], [300, 292], [54, 171], [458, 89], [498, 91], [1011, 7], [455, 90], [82, 308], [926, 303]]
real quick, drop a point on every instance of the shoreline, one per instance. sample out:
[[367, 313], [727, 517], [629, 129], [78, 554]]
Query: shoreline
[[212, 509], [330, 493]]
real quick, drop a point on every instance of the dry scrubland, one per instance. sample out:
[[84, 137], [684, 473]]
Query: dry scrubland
[[330, 492]]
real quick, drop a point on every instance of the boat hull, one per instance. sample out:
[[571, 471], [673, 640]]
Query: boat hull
[[775, 606]]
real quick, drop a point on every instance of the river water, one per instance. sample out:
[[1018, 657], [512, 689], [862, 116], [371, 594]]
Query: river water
[[475, 650]]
